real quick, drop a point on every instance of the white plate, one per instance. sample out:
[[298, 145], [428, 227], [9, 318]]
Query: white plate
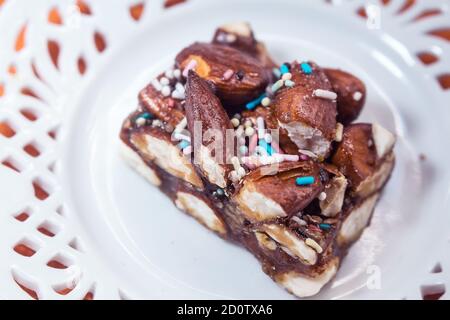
[[121, 237]]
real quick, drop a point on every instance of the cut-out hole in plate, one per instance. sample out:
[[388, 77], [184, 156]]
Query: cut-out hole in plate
[[90, 294], [67, 286], [100, 42], [26, 248], [83, 7], [136, 11], [27, 91], [53, 133], [6, 129], [29, 114], [54, 17], [427, 57], [23, 215], [171, 3], [12, 164], [76, 245], [53, 51], [20, 39], [49, 229], [437, 268], [82, 65], [60, 261], [432, 292], [444, 81], [28, 286], [41, 190], [32, 149]]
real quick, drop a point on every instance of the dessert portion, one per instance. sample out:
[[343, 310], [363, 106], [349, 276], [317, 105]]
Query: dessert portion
[[265, 156]]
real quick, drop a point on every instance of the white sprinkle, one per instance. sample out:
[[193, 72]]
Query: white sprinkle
[[289, 83], [237, 116], [241, 140], [339, 132], [299, 221], [265, 102], [286, 157], [307, 153], [268, 138], [164, 81], [179, 86], [322, 196], [156, 84], [357, 96], [313, 244], [234, 176], [235, 162], [241, 172], [156, 123], [187, 150], [325, 94], [166, 91], [235, 122], [180, 136], [178, 95], [140, 121], [249, 131], [231, 37], [169, 73], [191, 65], [286, 76], [248, 123], [243, 150], [177, 73], [261, 128]]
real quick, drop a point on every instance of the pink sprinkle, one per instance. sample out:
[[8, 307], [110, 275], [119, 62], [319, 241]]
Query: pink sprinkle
[[191, 65], [228, 74], [171, 103], [304, 157], [253, 143], [187, 150], [276, 147]]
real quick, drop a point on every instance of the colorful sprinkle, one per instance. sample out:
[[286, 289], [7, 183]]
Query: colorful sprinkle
[[166, 91], [289, 83], [325, 226], [357, 96], [227, 74], [249, 131], [146, 115], [243, 150], [169, 74], [261, 127], [177, 73], [164, 81], [178, 95], [304, 181], [253, 142], [235, 122], [276, 147], [266, 146], [156, 85], [306, 68], [284, 69], [252, 104], [180, 136], [277, 85], [276, 72], [140, 122], [325, 94], [339, 132], [322, 196], [187, 150], [183, 144]]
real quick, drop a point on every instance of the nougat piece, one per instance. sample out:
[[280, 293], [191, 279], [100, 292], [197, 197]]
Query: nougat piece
[[365, 156]]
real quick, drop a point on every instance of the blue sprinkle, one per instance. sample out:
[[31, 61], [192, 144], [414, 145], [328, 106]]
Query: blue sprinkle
[[303, 181], [252, 104], [276, 72], [284, 69], [324, 226], [183, 144], [289, 83], [266, 146], [306, 68], [146, 115]]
